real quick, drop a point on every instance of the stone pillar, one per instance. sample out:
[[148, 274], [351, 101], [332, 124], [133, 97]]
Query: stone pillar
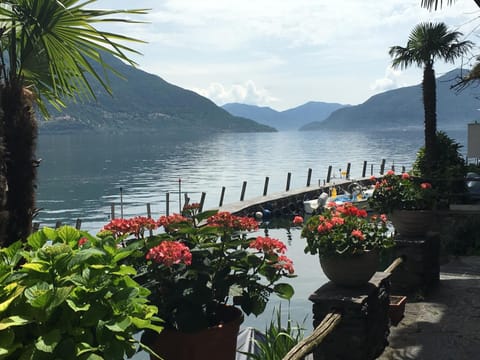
[[420, 270], [363, 330]]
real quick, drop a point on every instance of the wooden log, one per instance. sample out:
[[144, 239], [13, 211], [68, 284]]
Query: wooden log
[[382, 167], [348, 171], [394, 264], [307, 345], [309, 176], [289, 177], [202, 201], [364, 170]]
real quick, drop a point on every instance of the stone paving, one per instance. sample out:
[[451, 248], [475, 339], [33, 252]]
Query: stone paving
[[445, 323]]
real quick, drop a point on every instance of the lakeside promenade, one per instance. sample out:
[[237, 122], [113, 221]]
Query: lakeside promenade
[[445, 324]]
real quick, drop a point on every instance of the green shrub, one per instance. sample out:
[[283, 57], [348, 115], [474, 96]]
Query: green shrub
[[66, 295], [448, 172]]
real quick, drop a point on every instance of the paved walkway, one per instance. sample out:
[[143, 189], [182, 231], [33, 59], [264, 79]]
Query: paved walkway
[[445, 325]]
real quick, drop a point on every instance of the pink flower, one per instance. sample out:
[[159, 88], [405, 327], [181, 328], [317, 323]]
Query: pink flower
[[405, 176], [285, 263], [297, 220], [383, 217], [425, 185], [268, 245], [169, 253], [390, 172], [82, 241], [358, 234]]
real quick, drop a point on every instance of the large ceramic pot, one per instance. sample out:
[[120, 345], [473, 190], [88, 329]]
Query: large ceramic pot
[[215, 343], [412, 223], [350, 271]]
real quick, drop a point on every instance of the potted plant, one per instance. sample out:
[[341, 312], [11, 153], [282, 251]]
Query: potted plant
[[408, 200], [347, 241], [201, 270], [65, 294]]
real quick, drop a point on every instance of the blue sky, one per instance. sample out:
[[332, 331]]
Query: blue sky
[[284, 53]]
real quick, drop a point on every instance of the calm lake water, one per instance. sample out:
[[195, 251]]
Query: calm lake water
[[81, 176]]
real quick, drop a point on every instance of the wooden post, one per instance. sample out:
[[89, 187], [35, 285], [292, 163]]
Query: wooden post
[[329, 173], [222, 195], [36, 226], [149, 215], [265, 186], [371, 169], [244, 187], [309, 176], [289, 177], [202, 201], [58, 224], [186, 201], [348, 171], [393, 166], [403, 169], [112, 211], [78, 224], [382, 167], [121, 203], [364, 170], [179, 196], [167, 203]]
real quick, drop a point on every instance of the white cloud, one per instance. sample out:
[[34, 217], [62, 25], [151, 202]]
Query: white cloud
[[389, 82], [246, 93]]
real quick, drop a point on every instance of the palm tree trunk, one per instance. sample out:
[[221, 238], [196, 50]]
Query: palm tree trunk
[[20, 144], [430, 108]]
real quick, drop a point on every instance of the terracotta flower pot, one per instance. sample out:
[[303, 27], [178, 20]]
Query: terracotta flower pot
[[396, 308], [215, 343], [350, 271], [412, 223]]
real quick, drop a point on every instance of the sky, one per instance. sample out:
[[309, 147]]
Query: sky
[[285, 53]]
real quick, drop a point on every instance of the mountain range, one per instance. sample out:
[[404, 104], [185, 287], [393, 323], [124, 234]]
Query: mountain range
[[291, 119], [403, 108], [145, 102]]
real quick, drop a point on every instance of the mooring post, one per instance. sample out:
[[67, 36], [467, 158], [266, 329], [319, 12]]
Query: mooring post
[[382, 167], [167, 204], [78, 224], [265, 186], [121, 203], [403, 169], [112, 211], [244, 187], [58, 224], [393, 165], [348, 171], [309, 176], [222, 195], [202, 201], [149, 215], [329, 173], [371, 169], [289, 177], [364, 170], [179, 196]]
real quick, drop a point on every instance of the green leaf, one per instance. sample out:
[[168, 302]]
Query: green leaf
[[76, 307], [38, 267], [37, 239], [13, 321], [39, 295], [18, 291], [68, 234], [283, 290], [50, 233], [119, 326], [145, 324], [83, 255], [121, 255], [49, 342], [125, 270]]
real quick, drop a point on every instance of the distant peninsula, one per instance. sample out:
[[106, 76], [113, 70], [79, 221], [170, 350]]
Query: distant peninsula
[[145, 102]]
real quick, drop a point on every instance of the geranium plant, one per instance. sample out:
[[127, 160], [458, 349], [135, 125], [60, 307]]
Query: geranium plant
[[401, 192], [66, 294], [201, 261], [345, 230]]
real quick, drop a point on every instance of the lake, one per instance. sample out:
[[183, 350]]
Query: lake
[[80, 176]]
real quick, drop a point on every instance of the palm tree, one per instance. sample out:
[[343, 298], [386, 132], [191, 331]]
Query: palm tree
[[428, 42], [47, 48], [435, 4]]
